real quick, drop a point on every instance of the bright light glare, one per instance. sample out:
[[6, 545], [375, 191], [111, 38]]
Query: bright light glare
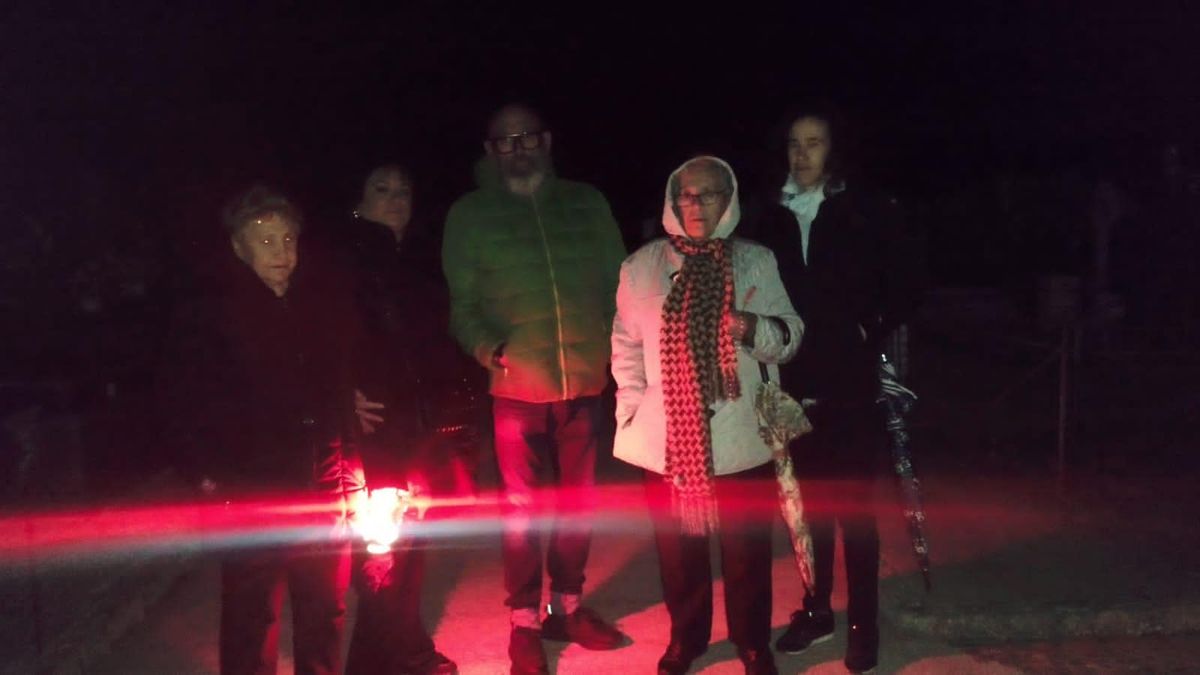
[[380, 525]]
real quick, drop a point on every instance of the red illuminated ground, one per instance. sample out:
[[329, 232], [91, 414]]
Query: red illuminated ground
[[464, 599]]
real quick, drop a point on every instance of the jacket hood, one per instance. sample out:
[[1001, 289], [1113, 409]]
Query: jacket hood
[[729, 219]]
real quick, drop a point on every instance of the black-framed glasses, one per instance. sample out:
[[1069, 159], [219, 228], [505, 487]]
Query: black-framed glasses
[[704, 198], [526, 140]]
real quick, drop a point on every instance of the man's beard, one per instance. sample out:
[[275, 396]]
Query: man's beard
[[522, 166], [524, 174]]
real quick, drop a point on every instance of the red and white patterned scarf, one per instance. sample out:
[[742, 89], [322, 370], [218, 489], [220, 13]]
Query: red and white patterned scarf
[[699, 366]]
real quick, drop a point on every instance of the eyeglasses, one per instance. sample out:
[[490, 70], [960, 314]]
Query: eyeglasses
[[704, 198], [526, 140]]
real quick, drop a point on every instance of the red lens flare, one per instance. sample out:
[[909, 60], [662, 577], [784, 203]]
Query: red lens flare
[[75, 534]]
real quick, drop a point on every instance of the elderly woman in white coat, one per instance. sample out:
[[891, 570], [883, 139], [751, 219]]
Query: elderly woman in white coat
[[697, 313]]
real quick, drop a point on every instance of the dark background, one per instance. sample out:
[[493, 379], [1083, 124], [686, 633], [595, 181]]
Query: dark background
[[117, 113], [124, 127]]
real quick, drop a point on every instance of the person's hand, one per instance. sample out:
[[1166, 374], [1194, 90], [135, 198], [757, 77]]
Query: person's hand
[[363, 408], [499, 358]]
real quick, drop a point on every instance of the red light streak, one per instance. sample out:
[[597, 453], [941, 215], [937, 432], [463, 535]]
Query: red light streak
[[66, 534]]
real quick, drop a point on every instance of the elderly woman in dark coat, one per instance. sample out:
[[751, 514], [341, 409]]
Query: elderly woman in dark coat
[[257, 397]]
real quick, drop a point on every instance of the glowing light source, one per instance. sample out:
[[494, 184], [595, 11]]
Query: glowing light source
[[380, 525]]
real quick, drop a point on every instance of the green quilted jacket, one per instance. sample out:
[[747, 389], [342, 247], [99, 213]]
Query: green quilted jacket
[[539, 275]]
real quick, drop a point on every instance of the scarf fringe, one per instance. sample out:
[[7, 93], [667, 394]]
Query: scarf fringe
[[730, 384], [697, 513]]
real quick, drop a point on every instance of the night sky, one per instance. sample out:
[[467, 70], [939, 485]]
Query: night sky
[[151, 113]]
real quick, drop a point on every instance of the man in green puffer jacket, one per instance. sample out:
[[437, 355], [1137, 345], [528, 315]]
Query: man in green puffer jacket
[[532, 262]]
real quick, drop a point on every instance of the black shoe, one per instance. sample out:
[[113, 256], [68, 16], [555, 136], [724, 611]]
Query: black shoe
[[678, 659], [585, 628], [862, 648], [758, 661], [436, 664], [806, 629], [525, 652]]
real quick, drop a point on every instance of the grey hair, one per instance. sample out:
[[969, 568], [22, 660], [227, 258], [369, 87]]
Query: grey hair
[[705, 163], [260, 201]]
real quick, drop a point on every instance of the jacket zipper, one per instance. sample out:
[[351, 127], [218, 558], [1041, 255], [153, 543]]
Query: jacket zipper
[[562, 356]]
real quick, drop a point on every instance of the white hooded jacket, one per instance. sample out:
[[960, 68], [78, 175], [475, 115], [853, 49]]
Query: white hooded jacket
[[645, 281]]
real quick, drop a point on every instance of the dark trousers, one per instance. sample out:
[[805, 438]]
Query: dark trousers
[[532, 438], [389, 636], [746, 508], [252, 587], [836, 466]]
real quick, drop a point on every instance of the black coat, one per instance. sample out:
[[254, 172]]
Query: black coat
[[255, 388], [864, 269], [407, 359]]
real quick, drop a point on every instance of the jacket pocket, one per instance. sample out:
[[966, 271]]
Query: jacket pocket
[[641, 437]]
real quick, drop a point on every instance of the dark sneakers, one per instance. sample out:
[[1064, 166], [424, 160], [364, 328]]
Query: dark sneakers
[[585, 628], [862, 648], [806, 629], [678, 659], [526, 653]]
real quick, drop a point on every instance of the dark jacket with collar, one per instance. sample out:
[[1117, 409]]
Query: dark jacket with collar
[[254, 388], [864, 269], [406, 358]]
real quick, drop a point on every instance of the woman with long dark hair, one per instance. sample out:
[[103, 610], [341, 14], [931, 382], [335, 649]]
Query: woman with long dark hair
[[405, 367], [852, 271]]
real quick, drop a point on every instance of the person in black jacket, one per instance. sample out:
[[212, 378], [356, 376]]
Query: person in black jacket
[[410, 374], [852, 272], [257, 398]]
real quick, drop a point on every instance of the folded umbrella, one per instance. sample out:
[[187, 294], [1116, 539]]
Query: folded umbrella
[[780, 419], [897, 401]]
